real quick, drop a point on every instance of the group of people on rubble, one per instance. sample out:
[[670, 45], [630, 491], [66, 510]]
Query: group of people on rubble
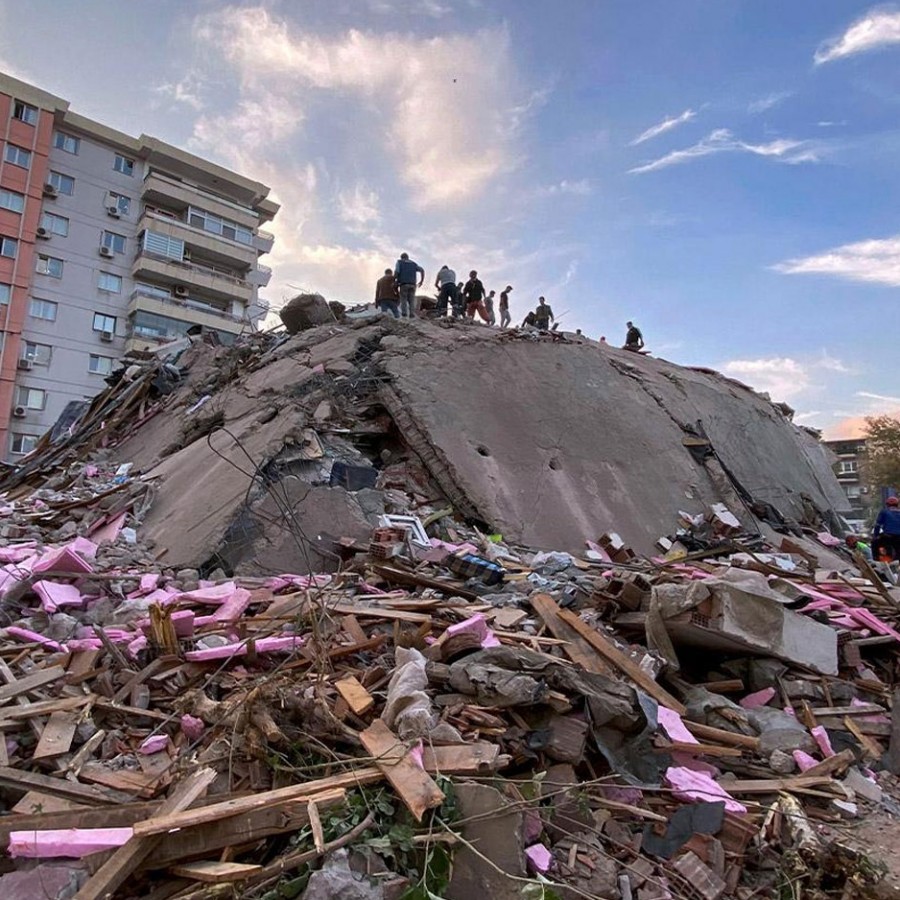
[[395, 294], [885, 545]]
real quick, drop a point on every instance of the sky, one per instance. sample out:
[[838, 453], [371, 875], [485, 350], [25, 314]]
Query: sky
[[725, 174]]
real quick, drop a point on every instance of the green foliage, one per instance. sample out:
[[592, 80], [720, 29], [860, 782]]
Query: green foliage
[[882, 464]]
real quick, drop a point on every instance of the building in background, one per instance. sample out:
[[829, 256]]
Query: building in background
[[848, 468], [109, 243]]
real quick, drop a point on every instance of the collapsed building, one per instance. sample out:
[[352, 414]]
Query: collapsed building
[[388, 609]]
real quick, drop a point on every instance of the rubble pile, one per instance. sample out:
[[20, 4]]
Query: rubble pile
[[260, 640]]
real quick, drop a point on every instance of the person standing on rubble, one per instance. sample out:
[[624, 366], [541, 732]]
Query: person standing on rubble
[[505, 317], [489, 307], [474, 293], [886, 532], [634, 340], [406, 271], [386, 294], [446, 285], [543, 315], [855, 545]]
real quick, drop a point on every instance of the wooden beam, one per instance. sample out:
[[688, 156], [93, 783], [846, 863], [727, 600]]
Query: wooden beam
[[112, 874], [31, 682], [57, 736], [216, 872], [356, 696], [623, 663], [415, 787], [721, 736], [575, 647], [320, 789], [17, 780]]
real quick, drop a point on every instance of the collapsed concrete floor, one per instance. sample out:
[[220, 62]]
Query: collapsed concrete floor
[[548, 441]]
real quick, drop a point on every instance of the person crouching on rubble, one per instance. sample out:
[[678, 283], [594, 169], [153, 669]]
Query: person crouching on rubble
[[634, 340], [855, 545], [886, 532], [387, 297]]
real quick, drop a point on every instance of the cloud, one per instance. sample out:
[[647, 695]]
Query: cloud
[[663, 127], [580, 188], [767, 102], [872, 261], [880, 399], [850, 427], [723, 141], [878, 28], [185, 91], [779, 377], [410, 7], [461, 85], [358, 208]]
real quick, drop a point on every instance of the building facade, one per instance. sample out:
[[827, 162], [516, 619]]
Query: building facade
[[109, 243], [848, 469]]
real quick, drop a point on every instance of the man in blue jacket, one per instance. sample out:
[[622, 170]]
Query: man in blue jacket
[[886, 533], [406, 271]]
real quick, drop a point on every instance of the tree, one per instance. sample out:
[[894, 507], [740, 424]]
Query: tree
[[882, 467]]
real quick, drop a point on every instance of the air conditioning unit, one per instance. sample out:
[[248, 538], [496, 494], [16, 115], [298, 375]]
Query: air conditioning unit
[[26, 364], [49, 190], [107, 336], [180, 290], [107, 252], [113, 210], [19, 412], [43, 233]]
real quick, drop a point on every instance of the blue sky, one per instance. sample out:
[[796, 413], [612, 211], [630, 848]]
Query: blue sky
[[723, 173]]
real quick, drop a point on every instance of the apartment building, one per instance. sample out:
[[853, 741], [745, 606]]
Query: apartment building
[[850, 455], [109, 243]]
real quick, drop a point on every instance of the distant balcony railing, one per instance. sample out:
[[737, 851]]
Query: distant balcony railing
[[265, 235], [200, 232], [185, 303], [199, 268]]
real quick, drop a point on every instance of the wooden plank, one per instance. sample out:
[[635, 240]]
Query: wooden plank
[[351, 625], [240, 805], [831, 765], [127, 780], [18, 780], [356, 696], [721, 736], [31, 682], [774, 785], [82, 663], [866, 568], [864, 709], [623, 663], [112, 874], [216, 872], [12, 717], [700, 749], [481, 758], [415, 787], [870, 746], [57, 736], [575, 647]]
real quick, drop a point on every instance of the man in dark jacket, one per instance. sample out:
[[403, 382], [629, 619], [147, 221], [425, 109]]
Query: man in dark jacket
[[406, 272], [474, 293], [886, 533], [386, 294], [543, 315], [634, 340]]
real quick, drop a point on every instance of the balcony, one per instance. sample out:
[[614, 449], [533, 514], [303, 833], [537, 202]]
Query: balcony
[[216, 246], [171, 192], [263, 241], [208, 279], [192, 312]]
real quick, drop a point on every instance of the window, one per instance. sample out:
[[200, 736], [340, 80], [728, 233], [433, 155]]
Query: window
[[115, 242], [31, 398], [25, 113], [64, 184], [9, 247], [23, 443], [100, 365], [151, 290], [12, 200], [55, 224], [42, 309], [66, 142], [49, 265], [110, 282], [848, 467], [199, 218], [853, 491], [120, 201], [158, 244], [103, 322], [17, 156], [5, 293], [39, 354], [124, 165]]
